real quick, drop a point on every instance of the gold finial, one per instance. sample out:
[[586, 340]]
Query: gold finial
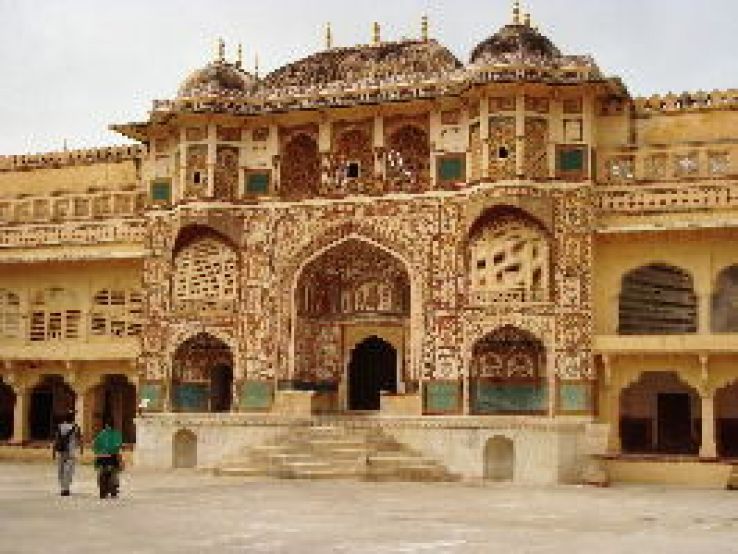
[[221, 51], [256, 64], [516, 12], [376, 38], [328, 36], [424, 28], [239, 55]]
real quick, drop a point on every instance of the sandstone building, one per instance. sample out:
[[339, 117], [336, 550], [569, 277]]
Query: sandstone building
[[508, 265]]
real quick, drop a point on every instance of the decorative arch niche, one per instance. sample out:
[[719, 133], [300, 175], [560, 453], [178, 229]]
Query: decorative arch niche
[[300, 171], [206, 268], [352, 286], [508, 373], [202, 375], [508, 258], [407, 161]]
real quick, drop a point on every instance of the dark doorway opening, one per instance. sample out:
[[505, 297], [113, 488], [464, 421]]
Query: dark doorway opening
[[115, 402], [373, 369], [675, 424], [221, 388], [51, 400], [7, 407]]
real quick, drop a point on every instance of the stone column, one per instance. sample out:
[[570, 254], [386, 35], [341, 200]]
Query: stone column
[[180, 187], [484, 136], [614, 444], [708, 448], [212, 158], [20, 414], [520, 135]]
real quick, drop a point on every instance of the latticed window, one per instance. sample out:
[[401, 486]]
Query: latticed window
[[55, 315], [205, 276], [116, 313], [9, 315], [510, 259]]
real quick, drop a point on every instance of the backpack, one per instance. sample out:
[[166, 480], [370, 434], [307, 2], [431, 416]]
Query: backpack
[[61, 442]]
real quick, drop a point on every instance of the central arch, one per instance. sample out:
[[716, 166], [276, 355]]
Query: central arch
[[346, 292], [371, 371]]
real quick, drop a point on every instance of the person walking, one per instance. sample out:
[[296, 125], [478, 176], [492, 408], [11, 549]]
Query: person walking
[[67, 439], [108, 461]]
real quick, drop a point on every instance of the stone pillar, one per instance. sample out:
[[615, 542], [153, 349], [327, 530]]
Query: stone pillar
[[614, 445], [708, 448], [484, 136], [21, 413], [180, 187], [212, 158], [520, 135]]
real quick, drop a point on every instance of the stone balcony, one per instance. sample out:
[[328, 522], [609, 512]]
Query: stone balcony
[[659, 344]]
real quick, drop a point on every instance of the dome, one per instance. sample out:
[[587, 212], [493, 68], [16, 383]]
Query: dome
[[515, 41], [387, 60], [216, 79]]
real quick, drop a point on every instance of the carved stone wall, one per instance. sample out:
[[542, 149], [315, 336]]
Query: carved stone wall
[[300, 167]]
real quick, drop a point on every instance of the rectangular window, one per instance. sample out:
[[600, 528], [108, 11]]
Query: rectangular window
[[161, 191], [257, 182], [571, 162], [451, 169]]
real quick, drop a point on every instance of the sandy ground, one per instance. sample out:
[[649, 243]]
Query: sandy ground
[[187, 512]]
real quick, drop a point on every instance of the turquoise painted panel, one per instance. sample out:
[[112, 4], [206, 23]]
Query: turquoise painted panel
[[256, 395], [571, 159], [491, 398], [151, 395], [442, 397], [573, 397], [191, 397], [257, 183], [451, 169], [161, 191]]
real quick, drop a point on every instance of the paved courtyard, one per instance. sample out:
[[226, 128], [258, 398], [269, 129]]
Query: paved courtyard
[[195, 512]]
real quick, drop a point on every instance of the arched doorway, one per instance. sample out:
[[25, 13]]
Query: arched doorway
[[660, 414], [372, 370], [726, 420], [352, 290], [51, 400], [499, 459], [115, 401], [184, 449], [7, 407], [202, 375]]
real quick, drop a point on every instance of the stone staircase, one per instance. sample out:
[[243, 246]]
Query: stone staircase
[[334, 452]]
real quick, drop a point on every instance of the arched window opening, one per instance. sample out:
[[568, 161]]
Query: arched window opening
[[205, 277], [508, 261], [657, 299], [507, 373], [7, 411], [726, 420], [352, 168]]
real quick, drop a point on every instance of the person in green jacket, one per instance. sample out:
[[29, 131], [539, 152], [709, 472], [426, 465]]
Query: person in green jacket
[[107, 445]]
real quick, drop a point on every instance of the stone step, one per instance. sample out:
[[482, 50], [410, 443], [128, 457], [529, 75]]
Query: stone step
[[240, 471]]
